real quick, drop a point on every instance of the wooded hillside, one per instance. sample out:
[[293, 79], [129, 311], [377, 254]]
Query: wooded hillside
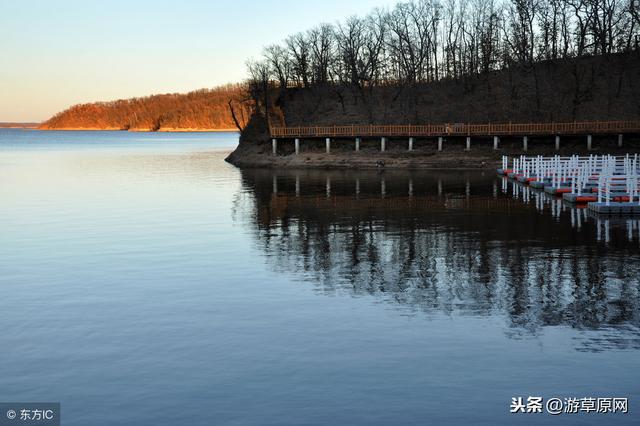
[[596, 88], [205, 109], [438, 61]]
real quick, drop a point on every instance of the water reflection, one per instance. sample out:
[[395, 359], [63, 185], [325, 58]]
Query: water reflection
[[462, 243]]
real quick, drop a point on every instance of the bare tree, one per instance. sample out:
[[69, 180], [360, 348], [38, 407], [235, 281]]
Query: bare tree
[[280, 62], [321, 42], [299, 48], [360, 43], [259, 75], [420, 41], [520, 35]]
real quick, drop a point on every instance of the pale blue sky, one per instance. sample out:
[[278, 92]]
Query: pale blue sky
[[57, 53]]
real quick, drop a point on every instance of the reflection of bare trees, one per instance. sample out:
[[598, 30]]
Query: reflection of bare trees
[[485, 254]]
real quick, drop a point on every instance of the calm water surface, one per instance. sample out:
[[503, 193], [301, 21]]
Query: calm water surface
[[145, 281]]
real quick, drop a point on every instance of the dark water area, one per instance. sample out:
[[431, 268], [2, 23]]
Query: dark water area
[[145, 281]]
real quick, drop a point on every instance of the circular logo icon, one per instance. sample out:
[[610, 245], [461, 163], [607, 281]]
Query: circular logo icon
[[11, 414]]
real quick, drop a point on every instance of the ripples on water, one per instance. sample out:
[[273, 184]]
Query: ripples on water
[[145, 281], [469, 243]]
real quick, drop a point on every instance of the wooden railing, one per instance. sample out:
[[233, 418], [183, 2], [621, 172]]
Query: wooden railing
[[459, 129]]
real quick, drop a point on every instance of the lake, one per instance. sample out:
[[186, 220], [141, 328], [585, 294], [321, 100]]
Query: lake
[[146, 281]]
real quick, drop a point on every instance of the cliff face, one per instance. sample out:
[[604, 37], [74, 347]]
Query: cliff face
[[584, 89], [198, 110]]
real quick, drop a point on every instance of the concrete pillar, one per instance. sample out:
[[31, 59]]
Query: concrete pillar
[[468, 143], [525, 143], [439, 143], [496, 140], [620, 140], [410, 144], [557, 142], [328, 143], [274, 146], [357, 144], [383, 144], [297, 146], [589, 142]]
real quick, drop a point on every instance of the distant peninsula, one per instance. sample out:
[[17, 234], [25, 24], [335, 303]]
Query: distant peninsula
[[200, 110]]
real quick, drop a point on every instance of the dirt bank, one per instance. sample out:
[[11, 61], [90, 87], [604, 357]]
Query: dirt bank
[[424, 156]]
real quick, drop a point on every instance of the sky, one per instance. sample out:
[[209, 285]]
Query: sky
[[54, 54]]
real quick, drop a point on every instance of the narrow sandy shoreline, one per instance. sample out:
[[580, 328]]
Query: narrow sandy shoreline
[[480, 157], [253, 156]]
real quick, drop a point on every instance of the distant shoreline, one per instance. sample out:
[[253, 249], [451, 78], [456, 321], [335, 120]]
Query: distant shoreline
[[165, 130], [19, 125]]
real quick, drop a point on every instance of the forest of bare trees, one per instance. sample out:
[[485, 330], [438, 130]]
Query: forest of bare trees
[[224, 107], [429, 40]]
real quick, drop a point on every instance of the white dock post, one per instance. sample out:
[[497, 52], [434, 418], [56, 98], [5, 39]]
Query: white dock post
[[620, 140], [557, 142], [383, 144], [328, 143], [525, 143], [357, 144], [439, 143], [589, 142], [274, 146], [468, 143], [410, 144], [496, 140], [297, 146]]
